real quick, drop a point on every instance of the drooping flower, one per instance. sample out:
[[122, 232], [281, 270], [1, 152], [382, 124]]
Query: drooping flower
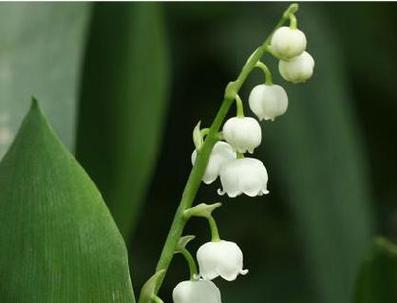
[[196, 291], [287, 42], [243, 133], [220, 258], [244, 176], [298, 69], [268, 101], [220, 154]]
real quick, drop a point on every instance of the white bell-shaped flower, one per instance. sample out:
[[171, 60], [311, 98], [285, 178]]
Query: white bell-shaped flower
[[268, 101], [220, 258], [196, 291], [298, 69], [287, 42], [243, 176], [243, 133], [220, 154]]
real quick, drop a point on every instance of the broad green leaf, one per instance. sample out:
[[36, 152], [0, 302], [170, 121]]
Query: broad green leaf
[[315, 157], [40, 54], [58, 240], [377, 282], [123, 104]]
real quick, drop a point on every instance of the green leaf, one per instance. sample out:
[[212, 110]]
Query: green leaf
[[123, 104], [378, 277], [40, 53], [58, 240]]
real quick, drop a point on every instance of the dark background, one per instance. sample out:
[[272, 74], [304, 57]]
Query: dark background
[[125, 83]]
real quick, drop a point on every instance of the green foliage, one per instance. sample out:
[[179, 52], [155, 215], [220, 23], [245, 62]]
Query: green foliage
[[378, 278], [123, 104], [58, 240], [41, 47]]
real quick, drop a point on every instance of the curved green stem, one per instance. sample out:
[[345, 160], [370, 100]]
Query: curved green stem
[[240, 107], [197, 172], [266, 71], [214, 229], [293, 21], [191, 263]]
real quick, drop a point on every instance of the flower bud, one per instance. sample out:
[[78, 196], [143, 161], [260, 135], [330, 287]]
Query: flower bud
[[287, 42], [243, 133], [298, 69], [196, 291], [221, 258], [220, 154], [268, 101], [247, 175]]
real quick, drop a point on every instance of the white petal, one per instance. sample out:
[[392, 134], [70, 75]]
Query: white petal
[[200, 291], [243, 133], [255, 101], [252, 187], [208, 259], [220, 154], [268, 101], [248, 176], [229, 175], [298, 69], [287, 42], [222, 258]]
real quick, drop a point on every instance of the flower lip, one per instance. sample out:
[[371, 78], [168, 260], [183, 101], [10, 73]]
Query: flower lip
[[243, 133], [220, 258], [268, 101], [220, 154], [196, 291], [244, 176]]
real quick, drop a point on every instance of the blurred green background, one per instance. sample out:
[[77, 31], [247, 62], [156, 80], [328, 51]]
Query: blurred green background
[[124, 85]]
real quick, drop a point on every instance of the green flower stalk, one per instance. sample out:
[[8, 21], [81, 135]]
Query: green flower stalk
[[227, 161]]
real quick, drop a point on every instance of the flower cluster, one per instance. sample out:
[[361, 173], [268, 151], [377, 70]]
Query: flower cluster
[[239, 174], [246, 175]]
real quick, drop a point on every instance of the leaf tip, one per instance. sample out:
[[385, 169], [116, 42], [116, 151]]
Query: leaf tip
[[35, 105]]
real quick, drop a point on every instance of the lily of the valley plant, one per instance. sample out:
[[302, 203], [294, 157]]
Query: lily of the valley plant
[[220, 152]]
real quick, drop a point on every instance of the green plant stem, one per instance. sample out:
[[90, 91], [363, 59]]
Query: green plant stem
[[239, 106], [197, 172], [293, 21], [266, 71], [191, 263], [214, 229]]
